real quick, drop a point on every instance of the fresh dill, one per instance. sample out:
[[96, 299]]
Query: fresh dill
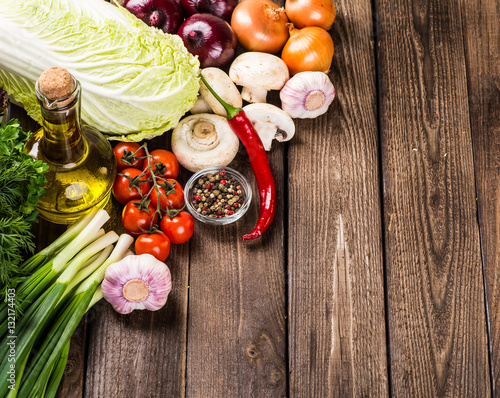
[[21, 185]]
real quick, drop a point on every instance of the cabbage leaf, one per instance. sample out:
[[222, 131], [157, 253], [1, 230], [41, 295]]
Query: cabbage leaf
[[137, 82]]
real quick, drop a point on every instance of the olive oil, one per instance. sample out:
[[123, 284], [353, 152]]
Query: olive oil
[[81, 163]]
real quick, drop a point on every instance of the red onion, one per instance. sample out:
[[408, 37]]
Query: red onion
[[166, 15], [210, 38], [219, 8]]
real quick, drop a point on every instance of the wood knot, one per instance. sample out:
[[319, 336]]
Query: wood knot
[[70, 366], [276, 376], [252, 351]]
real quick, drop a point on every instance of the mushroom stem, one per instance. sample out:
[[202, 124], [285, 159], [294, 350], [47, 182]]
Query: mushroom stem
[[254, 94], [204, 132], [135, 290]]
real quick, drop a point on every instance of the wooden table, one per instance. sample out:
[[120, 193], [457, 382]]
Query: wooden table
[[380, 274]]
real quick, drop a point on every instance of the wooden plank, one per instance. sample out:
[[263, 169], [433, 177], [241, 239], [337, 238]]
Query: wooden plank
[[142, 354], [337, 343], [74, 374], [438, 339], [482, 54], [237, 325]]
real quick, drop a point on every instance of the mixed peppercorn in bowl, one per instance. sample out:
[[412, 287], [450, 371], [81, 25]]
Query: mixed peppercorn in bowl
[[217, 195]]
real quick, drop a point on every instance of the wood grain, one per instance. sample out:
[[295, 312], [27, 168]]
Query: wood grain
[[337, 340], [237, 326], [73, 381], [142, 354], [482, 54], [437, 320]]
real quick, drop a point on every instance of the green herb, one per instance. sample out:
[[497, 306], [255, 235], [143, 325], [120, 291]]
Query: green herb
[[21, 185]]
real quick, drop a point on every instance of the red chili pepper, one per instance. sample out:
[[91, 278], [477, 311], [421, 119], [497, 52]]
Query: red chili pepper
[[246, 132]]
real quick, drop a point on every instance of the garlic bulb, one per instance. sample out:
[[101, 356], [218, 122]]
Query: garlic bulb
[[307, 95], [137, 282]]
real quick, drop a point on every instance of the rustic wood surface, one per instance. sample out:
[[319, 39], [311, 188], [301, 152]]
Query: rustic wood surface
[[433, 254], [482, 42], [380, 274]]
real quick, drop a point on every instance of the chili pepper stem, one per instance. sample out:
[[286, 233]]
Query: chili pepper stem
[[230, 110]]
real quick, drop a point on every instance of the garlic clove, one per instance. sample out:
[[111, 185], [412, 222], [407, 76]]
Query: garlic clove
[[307, 95], [137, 282]]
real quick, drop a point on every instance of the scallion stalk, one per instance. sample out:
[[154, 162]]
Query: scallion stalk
[[74, 307], [57, 373], [72, 232], [96, 297], [41, 311], [85, 272]]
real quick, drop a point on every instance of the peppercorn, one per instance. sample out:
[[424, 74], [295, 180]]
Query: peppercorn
[[217, 196]]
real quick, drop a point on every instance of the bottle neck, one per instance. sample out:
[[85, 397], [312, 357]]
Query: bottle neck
[[62, 141]]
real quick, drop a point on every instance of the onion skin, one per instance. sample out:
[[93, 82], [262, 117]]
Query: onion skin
[[166, 15], [220, 8], [308, 49], [302, 13], [210, 38], [260, 25]]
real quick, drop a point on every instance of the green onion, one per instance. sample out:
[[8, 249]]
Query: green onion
[[47, 253], [64, 284], [60, 333]]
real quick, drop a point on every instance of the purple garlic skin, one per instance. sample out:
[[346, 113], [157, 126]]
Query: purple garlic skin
[[307, 95], [137, 282]]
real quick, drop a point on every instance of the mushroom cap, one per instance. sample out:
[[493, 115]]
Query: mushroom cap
[[270, 122], [257, 69], [200, 106], [222, 84], [204, 140]]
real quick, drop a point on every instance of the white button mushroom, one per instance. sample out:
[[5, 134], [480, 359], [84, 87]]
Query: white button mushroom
[[204, 140], [271, 123], [258, 73], [200, 106], [222, 84]]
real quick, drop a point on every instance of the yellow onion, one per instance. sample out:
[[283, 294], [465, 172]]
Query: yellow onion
[[308, 49], [304, 13], [260, 25]]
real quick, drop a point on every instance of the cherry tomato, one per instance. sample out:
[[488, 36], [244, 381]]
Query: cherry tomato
[[119, 151], [157, 244], [173, 200], [167, 159], [121, 187], [134, 219], [179, 229]]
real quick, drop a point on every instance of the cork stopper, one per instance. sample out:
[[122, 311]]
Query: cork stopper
[[56, 83]]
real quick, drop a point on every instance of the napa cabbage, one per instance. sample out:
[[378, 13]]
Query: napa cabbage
[[137, 82]]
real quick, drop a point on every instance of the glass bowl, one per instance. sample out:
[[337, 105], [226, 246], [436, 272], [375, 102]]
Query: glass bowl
[[193, 188]]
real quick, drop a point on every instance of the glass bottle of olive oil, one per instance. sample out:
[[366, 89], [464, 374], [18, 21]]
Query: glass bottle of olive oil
[[81, 162]]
